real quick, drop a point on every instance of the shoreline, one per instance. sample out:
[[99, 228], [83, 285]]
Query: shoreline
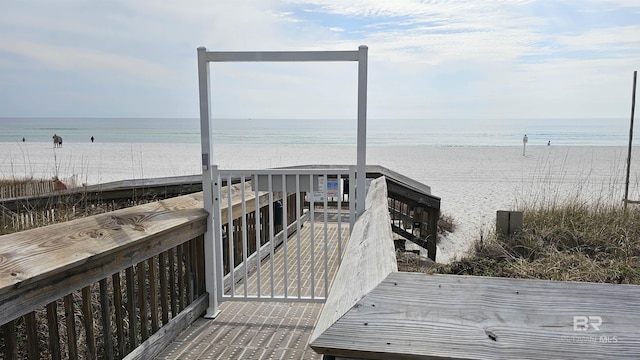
[[472, 181]]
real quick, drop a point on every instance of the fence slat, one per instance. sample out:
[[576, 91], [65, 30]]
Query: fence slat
[[87, 312], [54, 332], [106, 319], [164, 301], [188, 274], [153, 294], [181, 294], [201, 262], [117, 304], [70, 320], [10, 341], [172, 283], [32, 335], [142, 300], [131, 309]]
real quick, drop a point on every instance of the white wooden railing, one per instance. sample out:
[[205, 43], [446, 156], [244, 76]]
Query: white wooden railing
[[299, 232]]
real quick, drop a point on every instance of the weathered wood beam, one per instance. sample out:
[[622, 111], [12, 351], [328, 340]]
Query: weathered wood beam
[[369, 257], [45, 264]]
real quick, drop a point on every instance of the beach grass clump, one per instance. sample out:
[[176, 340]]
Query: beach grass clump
[[574, 241], [446, 224]]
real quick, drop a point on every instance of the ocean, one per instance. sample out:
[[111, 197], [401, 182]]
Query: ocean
[[380, 132]]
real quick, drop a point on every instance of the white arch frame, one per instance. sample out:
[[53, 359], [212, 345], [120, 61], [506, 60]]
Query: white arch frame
[[204, 58]]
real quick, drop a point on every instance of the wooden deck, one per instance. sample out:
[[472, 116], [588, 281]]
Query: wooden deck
[[375, 312], [420, 316], [269, 329]]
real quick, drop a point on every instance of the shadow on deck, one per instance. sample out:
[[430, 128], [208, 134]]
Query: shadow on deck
[[265, 330], [249, 330]]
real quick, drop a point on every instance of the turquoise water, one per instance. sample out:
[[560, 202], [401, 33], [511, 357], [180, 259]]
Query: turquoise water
[[380, 132]]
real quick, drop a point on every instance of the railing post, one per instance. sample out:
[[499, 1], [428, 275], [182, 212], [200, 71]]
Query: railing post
[[212, 237], [207, 177], [352, 203], [362, 129]]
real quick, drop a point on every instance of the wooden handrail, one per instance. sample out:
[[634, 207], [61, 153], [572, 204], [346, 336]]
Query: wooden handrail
[[369, 257], [44, 264], [126, 259]]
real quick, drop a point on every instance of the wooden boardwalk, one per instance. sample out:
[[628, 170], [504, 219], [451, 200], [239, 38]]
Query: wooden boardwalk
[[267, 330]]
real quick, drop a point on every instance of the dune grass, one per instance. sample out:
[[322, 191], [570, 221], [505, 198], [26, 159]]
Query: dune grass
[[68, 207], [573, 241]]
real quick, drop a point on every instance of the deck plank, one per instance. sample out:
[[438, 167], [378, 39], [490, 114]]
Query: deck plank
[[419, 316]]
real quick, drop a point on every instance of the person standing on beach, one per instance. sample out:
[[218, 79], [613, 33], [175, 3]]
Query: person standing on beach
[[57, 141], [525, 140], [92, 138]]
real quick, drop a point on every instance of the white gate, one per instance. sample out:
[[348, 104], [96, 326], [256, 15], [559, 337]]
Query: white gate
[[277, 238]]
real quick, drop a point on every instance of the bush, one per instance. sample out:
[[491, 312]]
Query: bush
[[577, 241]]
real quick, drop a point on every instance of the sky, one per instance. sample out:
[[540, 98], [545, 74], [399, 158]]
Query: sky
[[435, 59]]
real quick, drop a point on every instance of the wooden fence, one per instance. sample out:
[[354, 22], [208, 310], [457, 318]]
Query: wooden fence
[[26, 188], [111, 285], [100, 286]]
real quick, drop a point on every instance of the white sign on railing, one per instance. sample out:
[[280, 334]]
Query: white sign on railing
[[331, 189]]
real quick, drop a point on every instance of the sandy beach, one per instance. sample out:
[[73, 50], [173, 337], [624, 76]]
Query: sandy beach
[[473, 182]]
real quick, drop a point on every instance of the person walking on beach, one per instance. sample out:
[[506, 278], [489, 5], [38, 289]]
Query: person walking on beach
[[57, 141], [525, 140]]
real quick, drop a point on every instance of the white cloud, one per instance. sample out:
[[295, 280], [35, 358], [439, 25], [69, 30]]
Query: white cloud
[[449, 58], [73, 59], [616, 38]]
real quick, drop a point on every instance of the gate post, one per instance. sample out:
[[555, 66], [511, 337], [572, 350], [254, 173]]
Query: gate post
[[207, 185]]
